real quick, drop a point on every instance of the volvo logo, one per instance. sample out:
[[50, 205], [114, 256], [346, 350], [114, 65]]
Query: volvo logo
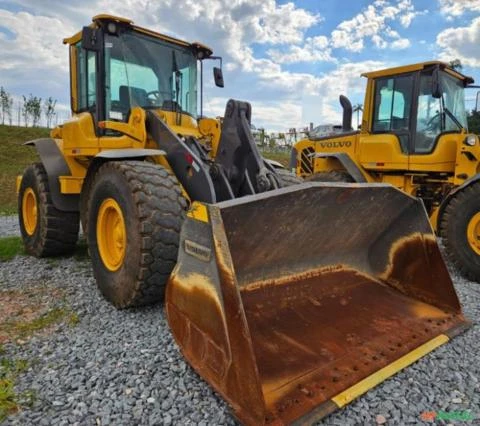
[[334, 144]]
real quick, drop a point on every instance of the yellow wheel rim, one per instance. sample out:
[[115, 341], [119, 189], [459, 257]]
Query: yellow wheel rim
[[473, 233], [111, 234], [29, 211]]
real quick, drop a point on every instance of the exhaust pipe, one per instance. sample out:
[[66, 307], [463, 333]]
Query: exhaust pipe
[[347, 113]]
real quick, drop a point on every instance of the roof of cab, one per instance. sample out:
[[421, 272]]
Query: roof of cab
[[417, 67], [111, 18]]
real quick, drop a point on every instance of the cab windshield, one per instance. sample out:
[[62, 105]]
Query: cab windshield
[[438, 115], [143, 71]]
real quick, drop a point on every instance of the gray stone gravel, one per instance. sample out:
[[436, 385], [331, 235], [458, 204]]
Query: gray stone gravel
[[123, 368], [9, 226]]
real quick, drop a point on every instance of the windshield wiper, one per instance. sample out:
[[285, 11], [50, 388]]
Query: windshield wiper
[[452, 116]]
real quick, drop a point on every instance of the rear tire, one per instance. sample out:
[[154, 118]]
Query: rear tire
[[45, 230], [287, 178], [460, 230], [330, 176], [135, 214]]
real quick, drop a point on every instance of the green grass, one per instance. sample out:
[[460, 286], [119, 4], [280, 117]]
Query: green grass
[[53, 316], [10, 247], [13, 159], [10, 401], [280, 156]]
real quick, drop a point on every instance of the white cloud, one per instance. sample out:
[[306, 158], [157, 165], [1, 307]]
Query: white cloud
[[401, 43], [374, 23], [322, 105], [233, 29], [379, 41], [273, 115], [371, 23], [461, 43], [309, 98], [313, 49], [31, 37], [454, 8]]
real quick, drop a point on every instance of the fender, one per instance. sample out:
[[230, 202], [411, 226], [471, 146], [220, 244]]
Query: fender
[[55, 166], [474, 179], [348, 164]]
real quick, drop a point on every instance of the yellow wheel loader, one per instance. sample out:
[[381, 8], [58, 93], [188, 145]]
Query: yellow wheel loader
[[413, 136], [290, 300]]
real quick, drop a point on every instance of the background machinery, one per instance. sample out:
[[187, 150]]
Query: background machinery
[[413, 136], [282, 308]]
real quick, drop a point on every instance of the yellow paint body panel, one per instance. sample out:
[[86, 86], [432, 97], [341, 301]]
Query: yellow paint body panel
[[381, 152], [411, 68], [368, 383], [198, 211], [70, 185], [18, 182]]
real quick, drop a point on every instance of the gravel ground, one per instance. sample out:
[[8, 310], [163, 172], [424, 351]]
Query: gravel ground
[[123, 368], [9, 226]]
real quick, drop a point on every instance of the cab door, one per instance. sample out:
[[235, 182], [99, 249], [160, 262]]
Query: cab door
[[435, 134], [388, 145]]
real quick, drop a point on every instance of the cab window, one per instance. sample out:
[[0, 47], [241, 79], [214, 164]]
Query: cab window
[[429, 118], [393, 100], [438, 115], [86, 78]]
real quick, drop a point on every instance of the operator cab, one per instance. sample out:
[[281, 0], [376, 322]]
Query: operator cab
[[418, 105], [117, 66]]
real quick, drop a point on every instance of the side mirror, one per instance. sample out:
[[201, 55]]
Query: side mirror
[[91, 39], [436, 86], [218, 76]]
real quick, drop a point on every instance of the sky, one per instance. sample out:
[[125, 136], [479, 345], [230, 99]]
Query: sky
[[290, 59]]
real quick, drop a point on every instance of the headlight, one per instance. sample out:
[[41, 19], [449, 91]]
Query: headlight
[[470, 140]]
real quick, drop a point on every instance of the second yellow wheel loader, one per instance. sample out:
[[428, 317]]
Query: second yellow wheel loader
[[290, 300], [413, 136]]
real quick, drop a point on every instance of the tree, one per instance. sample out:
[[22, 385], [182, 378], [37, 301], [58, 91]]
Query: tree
[[474, 122], [6, 103], [10, 111], [36, 108], [49, 108], [456, 65], [25, 110], [32, 109], [357, 108]]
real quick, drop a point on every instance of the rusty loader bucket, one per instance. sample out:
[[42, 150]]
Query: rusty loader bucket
[[293, 302]]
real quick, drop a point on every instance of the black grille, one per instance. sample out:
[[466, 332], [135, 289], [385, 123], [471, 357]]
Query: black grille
[[306, 160]]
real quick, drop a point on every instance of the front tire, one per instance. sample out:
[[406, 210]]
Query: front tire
[[46, 231], [135, 214], [460, 230]]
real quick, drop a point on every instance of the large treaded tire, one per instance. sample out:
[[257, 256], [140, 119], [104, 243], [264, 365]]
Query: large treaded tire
[[453, 230], [331, 176], [287, 178], [56, 232], [153, 207]]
